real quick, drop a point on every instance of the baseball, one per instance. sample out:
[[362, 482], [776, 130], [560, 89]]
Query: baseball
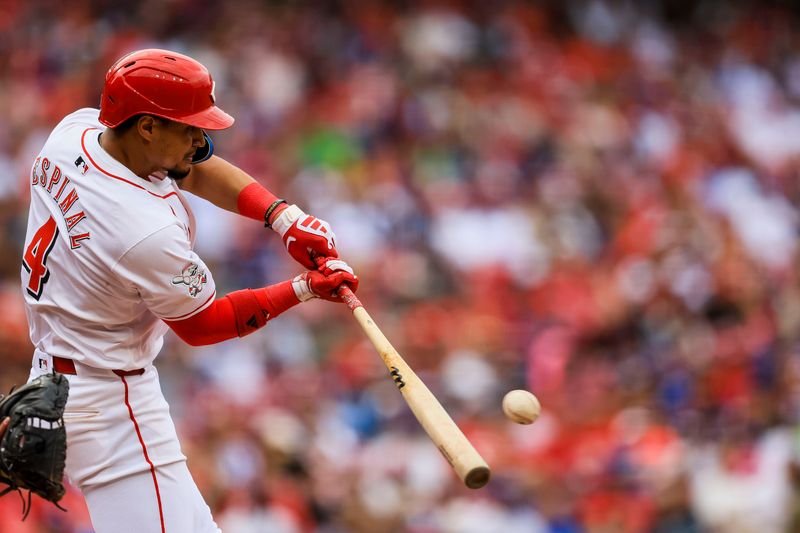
[[521, 406]]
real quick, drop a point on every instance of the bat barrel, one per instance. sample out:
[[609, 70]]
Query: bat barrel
[[439, 426], [477, 477]]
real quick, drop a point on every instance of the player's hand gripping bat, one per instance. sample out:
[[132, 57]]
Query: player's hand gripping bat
[[455, 447]]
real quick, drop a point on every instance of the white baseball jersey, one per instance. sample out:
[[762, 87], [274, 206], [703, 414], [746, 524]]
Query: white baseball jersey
[[107, 255]]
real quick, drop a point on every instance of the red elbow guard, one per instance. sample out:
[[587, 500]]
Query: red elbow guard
[[250, 315]]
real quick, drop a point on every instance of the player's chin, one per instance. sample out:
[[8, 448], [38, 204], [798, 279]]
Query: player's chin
[[179, 172]]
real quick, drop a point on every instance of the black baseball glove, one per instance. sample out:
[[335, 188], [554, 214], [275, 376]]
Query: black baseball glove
[[34, 447]]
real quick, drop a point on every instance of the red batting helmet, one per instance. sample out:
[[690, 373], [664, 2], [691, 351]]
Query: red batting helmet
[[161, 83]]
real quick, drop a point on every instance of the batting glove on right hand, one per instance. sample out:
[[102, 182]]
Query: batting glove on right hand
[[324, 282]]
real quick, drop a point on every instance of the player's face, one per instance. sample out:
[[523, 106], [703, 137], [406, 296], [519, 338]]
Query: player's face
[[174, 146]]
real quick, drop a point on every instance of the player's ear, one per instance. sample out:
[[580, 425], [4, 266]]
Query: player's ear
[[146, 126]]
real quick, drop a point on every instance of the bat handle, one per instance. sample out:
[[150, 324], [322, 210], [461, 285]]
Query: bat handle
[[348, 297], [344, 292]]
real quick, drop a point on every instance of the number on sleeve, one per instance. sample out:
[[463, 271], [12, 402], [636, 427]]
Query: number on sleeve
[[36, 256]]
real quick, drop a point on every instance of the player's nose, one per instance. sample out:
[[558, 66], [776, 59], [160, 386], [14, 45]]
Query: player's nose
[[198, 139]]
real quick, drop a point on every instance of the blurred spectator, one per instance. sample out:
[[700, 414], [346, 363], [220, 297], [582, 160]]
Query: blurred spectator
[[593, 199]]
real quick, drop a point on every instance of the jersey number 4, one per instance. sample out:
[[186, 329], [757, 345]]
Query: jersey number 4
[[36, 256]]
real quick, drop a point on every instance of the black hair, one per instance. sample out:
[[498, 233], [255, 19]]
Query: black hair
[[130, 122]]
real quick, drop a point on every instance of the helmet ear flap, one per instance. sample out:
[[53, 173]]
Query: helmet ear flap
[[205, 152]]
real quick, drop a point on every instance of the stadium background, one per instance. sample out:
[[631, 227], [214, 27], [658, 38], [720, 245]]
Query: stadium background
[[594, 200]]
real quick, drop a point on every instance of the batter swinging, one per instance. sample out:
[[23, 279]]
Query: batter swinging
[[108, 268]]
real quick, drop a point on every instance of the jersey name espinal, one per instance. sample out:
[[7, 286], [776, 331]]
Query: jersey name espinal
[[57, 185]]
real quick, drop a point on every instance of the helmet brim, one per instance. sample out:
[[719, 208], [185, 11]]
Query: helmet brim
[[212, 118]]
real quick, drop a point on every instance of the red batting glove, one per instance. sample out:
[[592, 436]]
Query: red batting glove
[[324, 282], [4, 425], [305, 236]]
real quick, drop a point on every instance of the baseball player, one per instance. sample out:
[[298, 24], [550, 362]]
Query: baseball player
[[108, 268]]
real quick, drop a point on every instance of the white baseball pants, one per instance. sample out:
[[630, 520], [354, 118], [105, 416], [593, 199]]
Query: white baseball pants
[[124, 455]]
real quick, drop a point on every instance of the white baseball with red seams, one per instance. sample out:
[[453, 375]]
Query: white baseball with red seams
[[521, 406], [107, 256]]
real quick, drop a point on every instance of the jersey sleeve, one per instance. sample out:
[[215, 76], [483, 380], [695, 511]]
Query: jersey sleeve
[[171, 279]]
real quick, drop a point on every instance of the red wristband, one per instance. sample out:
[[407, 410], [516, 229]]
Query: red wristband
[[254, 200]]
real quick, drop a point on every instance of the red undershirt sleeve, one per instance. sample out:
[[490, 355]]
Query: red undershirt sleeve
[[235, 315]]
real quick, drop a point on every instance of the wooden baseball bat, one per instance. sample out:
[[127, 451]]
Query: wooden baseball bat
[[455, 447]]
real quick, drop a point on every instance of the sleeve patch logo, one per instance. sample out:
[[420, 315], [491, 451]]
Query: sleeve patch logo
[[194, 277]]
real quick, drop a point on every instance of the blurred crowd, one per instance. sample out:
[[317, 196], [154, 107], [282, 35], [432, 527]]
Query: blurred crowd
[[592, 200]]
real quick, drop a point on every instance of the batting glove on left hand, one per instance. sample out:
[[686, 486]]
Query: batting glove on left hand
[[305, 236]]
